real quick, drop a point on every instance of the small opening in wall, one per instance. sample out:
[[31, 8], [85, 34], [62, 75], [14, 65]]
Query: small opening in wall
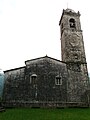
[[33, 78], [72, 23], [58, 80]]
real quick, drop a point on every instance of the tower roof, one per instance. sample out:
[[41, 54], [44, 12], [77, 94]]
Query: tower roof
[[69, 12]]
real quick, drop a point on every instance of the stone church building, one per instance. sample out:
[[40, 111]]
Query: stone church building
[[46, 81]]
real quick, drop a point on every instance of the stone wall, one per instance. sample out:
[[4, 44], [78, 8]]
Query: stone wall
[[37, 81], [46, 70], [13, 84], [77, 83], [73, 53], [45, 104]]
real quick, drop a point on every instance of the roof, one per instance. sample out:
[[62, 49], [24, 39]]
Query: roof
[[69, 12], [14, 69], [32, 61], [42, 58]]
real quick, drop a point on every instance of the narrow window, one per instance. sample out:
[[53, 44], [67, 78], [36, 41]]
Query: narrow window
[[78, 67], [58, 80], [33, 78], [72, 23]]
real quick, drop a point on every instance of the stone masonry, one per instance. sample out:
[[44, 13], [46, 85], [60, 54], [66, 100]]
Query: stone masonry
[[73, 54], [46, 81]]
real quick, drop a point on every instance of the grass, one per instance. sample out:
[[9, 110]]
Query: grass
[[46, 114]]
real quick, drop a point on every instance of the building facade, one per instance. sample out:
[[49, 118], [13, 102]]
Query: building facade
[[47, 81]]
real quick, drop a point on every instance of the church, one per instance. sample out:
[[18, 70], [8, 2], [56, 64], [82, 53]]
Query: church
[[46, 81]]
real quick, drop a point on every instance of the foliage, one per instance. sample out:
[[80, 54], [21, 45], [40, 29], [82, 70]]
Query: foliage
[[1, 84], [46, 114], [0, 99]]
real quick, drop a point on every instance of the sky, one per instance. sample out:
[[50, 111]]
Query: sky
[[30, 29]]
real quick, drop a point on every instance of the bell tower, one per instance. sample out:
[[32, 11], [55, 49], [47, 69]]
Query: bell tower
[[73, 54]]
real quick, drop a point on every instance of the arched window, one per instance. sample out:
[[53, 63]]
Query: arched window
[[33, 78], [72, 23]]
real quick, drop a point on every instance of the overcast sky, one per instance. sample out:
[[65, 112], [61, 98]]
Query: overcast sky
[[30, 29]]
